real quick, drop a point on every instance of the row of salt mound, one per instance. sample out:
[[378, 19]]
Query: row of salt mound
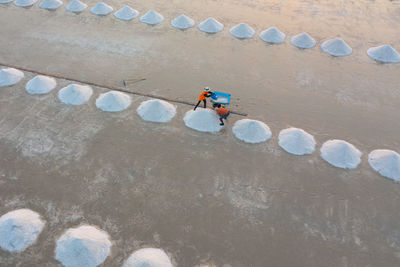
[[152, 17], [76, 6], [10, 76], [126, 13], [51, 4], [101, 9]]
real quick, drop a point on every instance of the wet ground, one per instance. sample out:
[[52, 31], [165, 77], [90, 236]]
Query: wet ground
[[205, 198]]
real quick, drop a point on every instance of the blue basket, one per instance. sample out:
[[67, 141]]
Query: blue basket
[[221, 98]]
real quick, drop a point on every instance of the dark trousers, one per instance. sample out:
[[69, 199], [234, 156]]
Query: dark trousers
[[198, 103]]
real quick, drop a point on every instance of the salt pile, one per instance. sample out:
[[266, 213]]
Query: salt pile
[[303, 40], [50, 4], [5, 1], [10, 76], [203, 120], [40, 85], [341, 154], [113, 101], [156, 110], [384, 53], [211, 25], [126, 13], [251, 131], [296, 141], [149, 257], [242, 31], [101, 9], [24, 3], [75, 94], [336, 47], [182, 22], [76, 6], [272, 35], [385, 162], [83, 246], [19, 229], [152, 17]]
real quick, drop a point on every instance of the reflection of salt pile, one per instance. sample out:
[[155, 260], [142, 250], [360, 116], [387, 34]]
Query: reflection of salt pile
[[150, 257], [24, 3], [203, 120], [211, 25], [50, 4], [126, 13], [242, 31], [75, 94], [386, 162], [10, 76], [19, 229], [341, 154], [303, 40], [101, 9], [113, 101], [152, 17], [272, 35], [336, 47], [251, 131], [83, 246], [156, 110], [296, 141], [182, 22], [76, 6], [40, 85], [384, 53]]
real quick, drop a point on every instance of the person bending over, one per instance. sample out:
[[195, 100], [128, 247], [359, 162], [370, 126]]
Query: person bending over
[[223, 113], [206, 93]]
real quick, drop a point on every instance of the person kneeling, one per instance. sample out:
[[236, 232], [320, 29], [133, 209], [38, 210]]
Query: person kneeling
[[223, 113]]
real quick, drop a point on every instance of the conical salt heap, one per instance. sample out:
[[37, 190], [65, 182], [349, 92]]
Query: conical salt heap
[[341, 154], [211, 25], [126, 13], [5, 1], [303, 40], [24, 3], [182, 22], [156, 110], [336, 47], [203, 120], [40, 85], [50, 4], [384, 54], [76, 6], [101, 9], [149, 257], [10, 76], [251, 131], [75, 94], [113, 101], [296, 141], [272, 35], [152, 17], [242, 31], [386, 163]]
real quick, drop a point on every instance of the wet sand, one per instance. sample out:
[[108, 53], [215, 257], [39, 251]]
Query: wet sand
[[205, 198]]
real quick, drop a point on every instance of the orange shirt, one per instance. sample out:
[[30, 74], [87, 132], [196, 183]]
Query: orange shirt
[[203, 96], [222, 111]]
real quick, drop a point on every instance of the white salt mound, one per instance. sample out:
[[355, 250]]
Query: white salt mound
[[385, 162], [336, 47], [211, 25], [303, 40], [50, 4], [296, 141], [75, 94], [84, 246], [40, 85], [341, 154], [113, 101], [24, 3], [101, 9], [251, 131], [156, 110], [182, 22], [242, 31], [19, 229], [76, 6], [203, 120], [5, 1], [272, 35], [126, 13], [384, 53], [10, 76], [152, 17], [148, 257]]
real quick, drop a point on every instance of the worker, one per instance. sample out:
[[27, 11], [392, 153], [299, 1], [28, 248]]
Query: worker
[[206, 93], [223, 113]]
